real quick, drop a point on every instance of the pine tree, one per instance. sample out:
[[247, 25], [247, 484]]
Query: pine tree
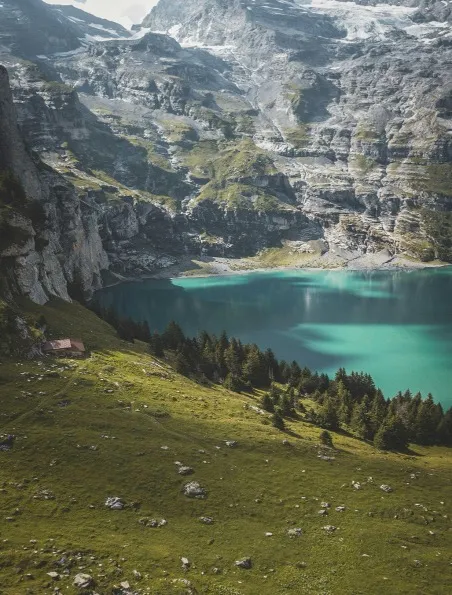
[[427, 420], [377, 413], [444, 429], [254, 368], [286, 406], [392, 435], [173, 336], [360, 421], [344, 399], [233, 383], [156, 345], [272, 365], [232, 358], [278, 420], [267, 403], [181, 364], [327, 415]]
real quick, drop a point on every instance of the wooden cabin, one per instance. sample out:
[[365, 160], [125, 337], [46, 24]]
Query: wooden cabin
[[65, 348]]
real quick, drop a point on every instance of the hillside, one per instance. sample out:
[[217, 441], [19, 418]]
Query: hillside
[[115, 424]]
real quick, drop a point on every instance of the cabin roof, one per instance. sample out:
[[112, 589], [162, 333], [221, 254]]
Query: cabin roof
[[63, 344]]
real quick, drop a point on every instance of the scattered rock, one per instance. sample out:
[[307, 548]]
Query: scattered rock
[[297, 532], [330, 528], [7, 443], [185, 563], [114, 503], [386, 488], [245, 563], [286, 442], [300, 565], [340, 508], [44, 495], [154, 523], [268, 534], [54, 575], [136, 575], [323, 512], [231, 443], [356, 485], [207, 520], [83, 581], [325, 505], [194, 490], [183, 470]]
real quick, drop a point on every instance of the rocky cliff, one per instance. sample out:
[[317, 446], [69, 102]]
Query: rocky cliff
[[294, 122], [49, 242]]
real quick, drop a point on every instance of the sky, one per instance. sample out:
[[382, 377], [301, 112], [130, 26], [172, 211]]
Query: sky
[[126, 12]]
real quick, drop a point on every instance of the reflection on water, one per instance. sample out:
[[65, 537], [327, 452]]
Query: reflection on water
[[396, 325]]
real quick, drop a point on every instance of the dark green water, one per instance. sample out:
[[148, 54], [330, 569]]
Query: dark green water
[[395, 325]]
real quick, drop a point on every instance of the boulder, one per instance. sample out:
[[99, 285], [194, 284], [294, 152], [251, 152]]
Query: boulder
[[386, 488], [183, 470], [185, 563], [207, 520], [194, 490], [297, 532], [83, 581], [245, 563], [114, 503]]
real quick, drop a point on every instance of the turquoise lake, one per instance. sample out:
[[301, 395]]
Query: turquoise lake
[[396, 325]]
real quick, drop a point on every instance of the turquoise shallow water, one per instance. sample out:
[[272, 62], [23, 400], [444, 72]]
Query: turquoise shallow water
[[395, 325]]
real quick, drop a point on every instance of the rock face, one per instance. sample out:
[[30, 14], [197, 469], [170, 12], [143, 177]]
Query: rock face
[[296, 122], [48, 240]]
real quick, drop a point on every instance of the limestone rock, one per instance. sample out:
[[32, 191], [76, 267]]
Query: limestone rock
[[207, 520], [245, 563], [194, 490], [386, 488], [114, 503], [83, 581], [184, 470]]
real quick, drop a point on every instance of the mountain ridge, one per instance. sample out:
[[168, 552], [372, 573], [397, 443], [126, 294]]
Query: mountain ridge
[[297, 126]]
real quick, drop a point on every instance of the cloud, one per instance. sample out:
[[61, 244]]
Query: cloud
[[126, 12]]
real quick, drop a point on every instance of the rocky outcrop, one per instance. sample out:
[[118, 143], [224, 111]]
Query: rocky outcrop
[[50, 242]]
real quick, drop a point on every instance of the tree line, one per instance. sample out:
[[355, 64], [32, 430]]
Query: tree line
[[347, 402]]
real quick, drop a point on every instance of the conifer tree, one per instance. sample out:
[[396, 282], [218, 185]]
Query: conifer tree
[[327, 415], [267, 403], [392, 435], [359, 421], [156, 345], [278, 420], [254, 368], [232, 358], [173, 336]]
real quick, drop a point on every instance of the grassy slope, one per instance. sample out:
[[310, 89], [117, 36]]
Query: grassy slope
[[151, 407]]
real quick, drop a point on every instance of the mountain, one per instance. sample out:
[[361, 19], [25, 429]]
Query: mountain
[[319, 130], [91, 26], [30, 28]]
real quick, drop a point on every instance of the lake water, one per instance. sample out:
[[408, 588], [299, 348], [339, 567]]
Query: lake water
[[396, 325]]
